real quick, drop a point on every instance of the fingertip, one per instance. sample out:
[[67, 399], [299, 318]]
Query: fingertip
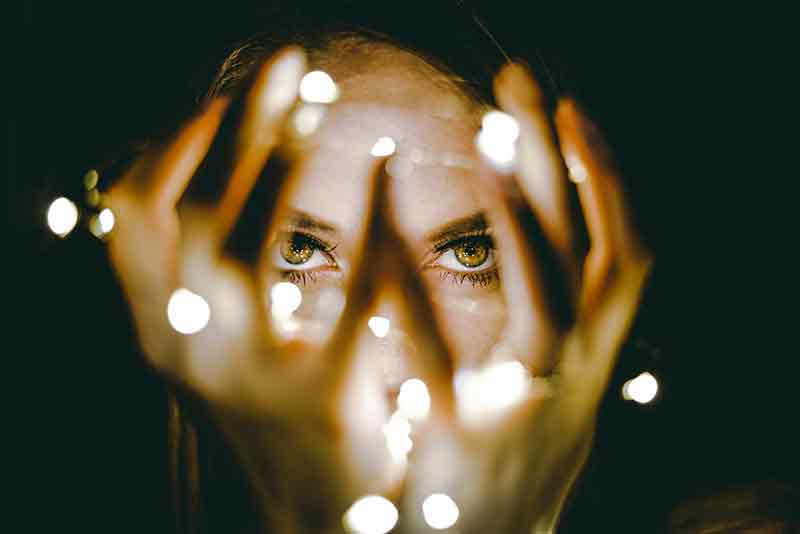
[[515, 85], [277, 84]]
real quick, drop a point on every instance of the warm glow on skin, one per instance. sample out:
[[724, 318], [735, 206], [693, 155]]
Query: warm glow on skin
[[330, 185]]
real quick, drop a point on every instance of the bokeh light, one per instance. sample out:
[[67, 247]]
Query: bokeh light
[[90, 179], [496, 140], [497, 150], [106, 218], [577, 171], [384, 146], [440, 511], [414, 401], [307, 118], [317, 87], [398, 436], [62, 216], [188, 312], [501, 126], [642, 389], [285, 298], [482, 394], [379, 325], [371, 514]]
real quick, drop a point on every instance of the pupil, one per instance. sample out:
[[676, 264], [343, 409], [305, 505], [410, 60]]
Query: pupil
[[471, 254], [296, 250]]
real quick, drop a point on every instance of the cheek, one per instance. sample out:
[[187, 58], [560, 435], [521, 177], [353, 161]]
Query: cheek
[[472, 323]]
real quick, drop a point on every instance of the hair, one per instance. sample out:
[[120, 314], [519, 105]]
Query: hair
[[209, 486], [768, 507]]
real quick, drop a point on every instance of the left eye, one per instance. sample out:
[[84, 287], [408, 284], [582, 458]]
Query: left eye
[[470, 254], [299, 252]]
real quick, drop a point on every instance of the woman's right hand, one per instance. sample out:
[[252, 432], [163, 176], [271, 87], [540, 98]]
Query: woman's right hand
[[286, 407]]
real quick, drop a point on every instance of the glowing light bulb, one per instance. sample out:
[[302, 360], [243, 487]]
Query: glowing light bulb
[[385, 146], [641, 389], [398, 436], [62, 216], [497, 150], [106, 218], [286, 298], [90, 179], [414, 401], [483, 394], [577, 172], [379, 325], [188, 312], [501, 125], [318, 87], [372, 514], [440, 511], [307, 119]]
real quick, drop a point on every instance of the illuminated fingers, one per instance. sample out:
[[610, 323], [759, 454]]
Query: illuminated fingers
[[385, 271], [267, 102], [617, 265], [531, 327], [163, 174], [539, 169], [615, 245]]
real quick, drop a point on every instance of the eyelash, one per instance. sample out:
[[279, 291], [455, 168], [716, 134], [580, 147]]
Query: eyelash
[[476, 278], [480, 279], [301, 277]]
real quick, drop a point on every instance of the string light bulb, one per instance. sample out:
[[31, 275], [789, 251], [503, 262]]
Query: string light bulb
[[642, 389], [62, 216], [485, 393], [379, 326], [188, 312], [384, 146], [414, 400], [440, 511], [496, 140], [317, 87], [371, 514], [285, 298]]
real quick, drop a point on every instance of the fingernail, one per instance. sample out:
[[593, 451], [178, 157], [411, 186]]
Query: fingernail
[[580, 137], [520, 84], [283, 80]]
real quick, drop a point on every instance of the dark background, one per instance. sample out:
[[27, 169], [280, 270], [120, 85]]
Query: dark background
[[693, 114]]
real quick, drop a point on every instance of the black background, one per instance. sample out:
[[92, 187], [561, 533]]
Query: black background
[[683, 100]]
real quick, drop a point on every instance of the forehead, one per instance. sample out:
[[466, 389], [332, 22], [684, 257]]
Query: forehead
[[433, 129]]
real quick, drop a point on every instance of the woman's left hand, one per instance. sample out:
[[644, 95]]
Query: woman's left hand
[[510, 470]]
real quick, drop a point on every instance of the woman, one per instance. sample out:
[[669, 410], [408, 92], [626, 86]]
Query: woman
[[423, 231]]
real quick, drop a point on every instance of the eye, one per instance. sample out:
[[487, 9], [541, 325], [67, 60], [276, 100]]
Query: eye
[[467, 254], [297, 251]]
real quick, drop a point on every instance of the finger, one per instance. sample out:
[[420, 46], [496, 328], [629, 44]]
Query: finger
[[539, 169], [266, 104], [386, 267], [163, 174], [532, 329], [615, 244], [617, 265]]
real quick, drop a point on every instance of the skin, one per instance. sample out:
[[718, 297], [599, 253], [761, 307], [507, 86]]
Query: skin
[[311, 455]]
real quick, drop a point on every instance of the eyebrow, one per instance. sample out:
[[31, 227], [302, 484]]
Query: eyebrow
[[476, 222], [301, 220]]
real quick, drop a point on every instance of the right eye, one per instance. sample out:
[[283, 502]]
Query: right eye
[[301, 252]]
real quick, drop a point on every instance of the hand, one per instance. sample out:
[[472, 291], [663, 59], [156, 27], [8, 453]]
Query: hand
[[511, 471], [290, 408]]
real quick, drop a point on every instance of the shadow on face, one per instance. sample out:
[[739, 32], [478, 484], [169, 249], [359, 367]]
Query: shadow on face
[[438, 206]]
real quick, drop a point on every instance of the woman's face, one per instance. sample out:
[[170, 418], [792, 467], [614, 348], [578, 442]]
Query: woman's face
[[437, 206]]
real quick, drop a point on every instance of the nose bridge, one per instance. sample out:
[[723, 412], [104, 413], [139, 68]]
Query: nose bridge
[[388, 339]]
